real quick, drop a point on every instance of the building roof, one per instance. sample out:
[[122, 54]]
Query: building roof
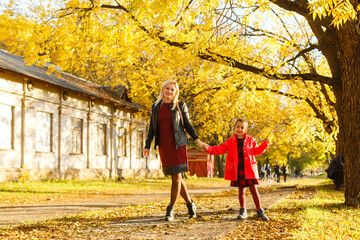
[[116, 94]]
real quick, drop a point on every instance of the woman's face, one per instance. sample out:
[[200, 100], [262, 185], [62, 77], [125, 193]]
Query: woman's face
[[169, 92], [240, 129]]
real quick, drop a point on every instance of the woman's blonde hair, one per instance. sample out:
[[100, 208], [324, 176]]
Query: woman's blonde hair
[[161, 95]]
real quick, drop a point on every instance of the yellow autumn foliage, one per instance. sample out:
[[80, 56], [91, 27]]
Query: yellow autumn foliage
[[141, 43]]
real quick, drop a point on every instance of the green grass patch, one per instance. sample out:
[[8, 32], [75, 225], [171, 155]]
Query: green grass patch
[[319, 212], [22, 193]]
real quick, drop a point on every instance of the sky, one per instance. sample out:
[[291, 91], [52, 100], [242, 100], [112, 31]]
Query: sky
[[22, 4]]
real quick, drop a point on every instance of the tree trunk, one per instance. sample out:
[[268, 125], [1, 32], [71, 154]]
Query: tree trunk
[[349, 111], [220, 165]]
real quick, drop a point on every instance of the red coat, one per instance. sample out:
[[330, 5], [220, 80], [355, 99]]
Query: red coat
[[250, 151]]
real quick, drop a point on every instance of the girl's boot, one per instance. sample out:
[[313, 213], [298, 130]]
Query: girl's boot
[[261, 214], [243, 214], [192, 209], [169, 213]]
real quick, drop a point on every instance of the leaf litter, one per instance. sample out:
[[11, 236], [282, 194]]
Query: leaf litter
[[217, 219]]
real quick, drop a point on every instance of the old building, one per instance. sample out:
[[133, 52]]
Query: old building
[[62, 126]]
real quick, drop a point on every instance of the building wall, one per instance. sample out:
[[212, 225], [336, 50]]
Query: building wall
[[46, 119], [10, 103]]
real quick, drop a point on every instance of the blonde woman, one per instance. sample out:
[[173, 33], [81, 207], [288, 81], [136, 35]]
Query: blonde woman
[[168, 119]]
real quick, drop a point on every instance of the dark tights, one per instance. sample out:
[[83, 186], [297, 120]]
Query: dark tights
[[178, 186], [254, 193]]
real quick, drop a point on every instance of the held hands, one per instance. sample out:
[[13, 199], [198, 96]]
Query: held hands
[[204, 146]]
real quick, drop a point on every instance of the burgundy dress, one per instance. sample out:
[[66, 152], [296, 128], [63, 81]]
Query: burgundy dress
[[174, 160], [241, 181]]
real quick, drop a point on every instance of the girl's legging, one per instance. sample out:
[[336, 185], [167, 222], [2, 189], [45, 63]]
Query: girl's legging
[[254, 193]]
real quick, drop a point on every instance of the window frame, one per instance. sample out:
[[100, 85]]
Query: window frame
[[101, 139], [11, 145], [140, 144], [77, 132], [39, 125], [122, 142]]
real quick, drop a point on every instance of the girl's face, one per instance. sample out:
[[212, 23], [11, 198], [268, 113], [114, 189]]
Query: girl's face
[[169, 92], [240, 129]]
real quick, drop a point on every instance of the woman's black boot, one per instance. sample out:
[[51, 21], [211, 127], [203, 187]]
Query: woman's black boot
[[169, 213], [192, 209]]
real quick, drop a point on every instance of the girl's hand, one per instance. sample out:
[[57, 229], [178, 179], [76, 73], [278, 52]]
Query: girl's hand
[[205, 147], [267, 141], [146, 152]]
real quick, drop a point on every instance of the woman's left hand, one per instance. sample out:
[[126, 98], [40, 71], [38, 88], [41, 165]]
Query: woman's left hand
[[146, 152]]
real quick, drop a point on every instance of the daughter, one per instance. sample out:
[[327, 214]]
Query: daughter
[[241, 167]]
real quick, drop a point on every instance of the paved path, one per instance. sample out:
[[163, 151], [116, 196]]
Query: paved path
[[15, 215], [21, 214]]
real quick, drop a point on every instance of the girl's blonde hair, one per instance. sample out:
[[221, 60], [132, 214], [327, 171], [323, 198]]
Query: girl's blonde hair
[[161, 95], [243, 121]]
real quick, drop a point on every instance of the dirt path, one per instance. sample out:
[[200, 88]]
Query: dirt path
[[216, 216], [212, 222], [15, 215]]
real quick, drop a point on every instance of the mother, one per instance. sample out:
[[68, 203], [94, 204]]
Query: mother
[[168, 119]]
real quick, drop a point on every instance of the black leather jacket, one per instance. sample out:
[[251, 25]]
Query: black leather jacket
[[179, 132]]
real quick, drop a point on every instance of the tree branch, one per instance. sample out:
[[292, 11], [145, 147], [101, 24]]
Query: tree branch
[[301, 7], [186, 8], [216, 57], [318, 112], [327, 98]]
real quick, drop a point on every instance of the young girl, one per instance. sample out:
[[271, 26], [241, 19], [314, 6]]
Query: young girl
[[241, 167]]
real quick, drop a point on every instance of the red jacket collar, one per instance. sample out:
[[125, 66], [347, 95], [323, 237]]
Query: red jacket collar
[[234, 136]]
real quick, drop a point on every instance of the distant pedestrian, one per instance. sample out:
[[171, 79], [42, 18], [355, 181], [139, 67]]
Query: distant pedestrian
[[277, 172], [268, 172], [263, 172], [168, 119], [284, 171], [241, 167]]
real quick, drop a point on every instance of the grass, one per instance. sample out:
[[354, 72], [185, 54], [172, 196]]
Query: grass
[[319, 212]]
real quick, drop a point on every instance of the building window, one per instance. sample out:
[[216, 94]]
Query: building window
[[6, 127], [76, 135], [140, 144], [122, 133], [44, 131], [101, 139]]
